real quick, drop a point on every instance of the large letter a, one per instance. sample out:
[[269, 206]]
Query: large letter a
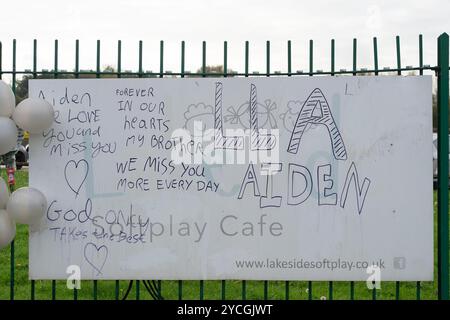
[[316, 110]]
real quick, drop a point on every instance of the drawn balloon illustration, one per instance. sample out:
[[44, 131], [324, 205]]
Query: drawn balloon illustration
[[25, 205], [199, 114], [290, 116], [241, 114]]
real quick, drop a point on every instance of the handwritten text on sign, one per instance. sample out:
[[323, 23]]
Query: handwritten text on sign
[[281, 178]]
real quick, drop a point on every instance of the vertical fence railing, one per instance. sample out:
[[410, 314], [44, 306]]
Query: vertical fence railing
[[443, 179], [441, 70]]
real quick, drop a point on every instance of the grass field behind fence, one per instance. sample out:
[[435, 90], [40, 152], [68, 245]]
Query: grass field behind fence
[[191, 289]]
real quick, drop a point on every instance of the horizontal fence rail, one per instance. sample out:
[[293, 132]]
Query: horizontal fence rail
[[14, 284]]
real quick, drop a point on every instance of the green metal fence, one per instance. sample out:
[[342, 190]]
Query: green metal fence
[[15, 281]]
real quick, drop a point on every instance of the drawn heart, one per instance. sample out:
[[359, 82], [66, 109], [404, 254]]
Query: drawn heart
[[96, 256], [75, 174]]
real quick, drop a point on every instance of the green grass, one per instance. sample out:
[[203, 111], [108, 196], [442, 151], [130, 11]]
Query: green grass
[[190, 289]]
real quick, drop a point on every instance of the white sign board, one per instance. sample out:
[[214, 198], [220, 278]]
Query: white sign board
[[240, 178]]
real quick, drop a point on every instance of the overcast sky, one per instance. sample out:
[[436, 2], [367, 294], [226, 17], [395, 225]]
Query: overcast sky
[[216, 21]]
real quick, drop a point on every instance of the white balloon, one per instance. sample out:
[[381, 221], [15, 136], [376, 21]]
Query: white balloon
[[27, 205], [33, 115], [7, 100], [4, 193], [7, 229], [8, 135]]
